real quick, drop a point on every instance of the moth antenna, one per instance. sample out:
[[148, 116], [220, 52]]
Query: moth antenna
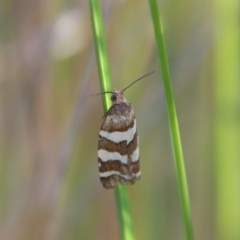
[[93, 95], [136, 81]]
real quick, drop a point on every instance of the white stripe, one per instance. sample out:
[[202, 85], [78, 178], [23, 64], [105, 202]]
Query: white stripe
[[138, 174], [120, 136], [110, 173], [105, 156], [135, 155]]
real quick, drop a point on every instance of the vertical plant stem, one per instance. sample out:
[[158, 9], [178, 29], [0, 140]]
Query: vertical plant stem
[[101, 52], [176, 141], [121, 192]]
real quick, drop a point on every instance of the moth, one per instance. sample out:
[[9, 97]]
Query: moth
[[118, 143]]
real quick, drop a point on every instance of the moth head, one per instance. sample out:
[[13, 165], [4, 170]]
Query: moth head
[[117, 97]]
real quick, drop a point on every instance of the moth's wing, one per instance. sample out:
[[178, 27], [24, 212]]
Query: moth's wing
[[115, 135], [133, 154]]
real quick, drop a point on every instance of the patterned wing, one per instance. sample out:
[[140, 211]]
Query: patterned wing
[[118, 152]]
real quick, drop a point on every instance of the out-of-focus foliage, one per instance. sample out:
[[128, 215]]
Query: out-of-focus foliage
[[49, 123]]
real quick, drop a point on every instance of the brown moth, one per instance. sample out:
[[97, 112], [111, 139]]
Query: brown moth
[[118, 143]]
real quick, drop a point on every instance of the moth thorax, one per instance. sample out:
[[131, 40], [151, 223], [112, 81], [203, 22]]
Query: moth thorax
[[117, 97]]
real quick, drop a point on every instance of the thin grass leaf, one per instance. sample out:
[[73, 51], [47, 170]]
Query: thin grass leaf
[[175, 135], [121, 192]]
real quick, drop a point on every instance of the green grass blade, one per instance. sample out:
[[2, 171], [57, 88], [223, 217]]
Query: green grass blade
[[121, 192], [101, 52], [124, 213], [177, 148]]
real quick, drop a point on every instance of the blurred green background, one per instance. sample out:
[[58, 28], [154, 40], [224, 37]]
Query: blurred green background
[[49, 123]]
